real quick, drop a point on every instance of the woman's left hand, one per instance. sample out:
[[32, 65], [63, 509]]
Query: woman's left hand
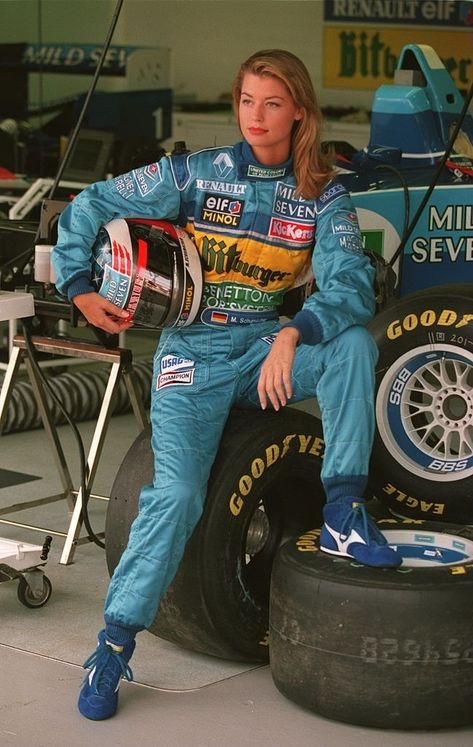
[[275, 377]]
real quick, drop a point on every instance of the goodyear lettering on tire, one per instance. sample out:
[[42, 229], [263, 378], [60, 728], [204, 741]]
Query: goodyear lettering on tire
[[427, 318], [273, 453]]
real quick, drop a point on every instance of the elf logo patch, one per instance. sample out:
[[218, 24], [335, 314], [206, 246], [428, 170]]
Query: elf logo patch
[[221, 210]]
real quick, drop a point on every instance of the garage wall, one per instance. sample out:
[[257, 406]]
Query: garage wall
[[208, 38]]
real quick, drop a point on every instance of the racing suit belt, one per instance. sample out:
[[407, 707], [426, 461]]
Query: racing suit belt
[[218, 317]]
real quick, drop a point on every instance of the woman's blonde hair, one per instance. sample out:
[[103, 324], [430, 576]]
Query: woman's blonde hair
[[312, 167]]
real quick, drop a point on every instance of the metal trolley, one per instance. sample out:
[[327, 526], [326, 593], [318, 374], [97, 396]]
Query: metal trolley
[[24, 561]]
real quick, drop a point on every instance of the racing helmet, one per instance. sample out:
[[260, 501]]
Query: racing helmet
[[150, 268]]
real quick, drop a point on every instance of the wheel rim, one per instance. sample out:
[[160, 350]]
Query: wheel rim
[[258, 532], [421, 548], [424, 412], [276, 518]]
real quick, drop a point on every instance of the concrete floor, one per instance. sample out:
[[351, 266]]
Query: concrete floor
[[179, 698]]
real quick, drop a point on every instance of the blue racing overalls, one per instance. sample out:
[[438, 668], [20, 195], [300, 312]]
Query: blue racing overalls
[[257, 238]]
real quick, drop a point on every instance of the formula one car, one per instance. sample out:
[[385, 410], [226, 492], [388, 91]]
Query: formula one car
[[412, 189]]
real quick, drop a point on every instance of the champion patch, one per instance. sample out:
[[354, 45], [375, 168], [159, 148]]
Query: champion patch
[[175, 378]]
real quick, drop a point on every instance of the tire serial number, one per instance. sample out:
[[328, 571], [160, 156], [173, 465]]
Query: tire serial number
[[409, 651]]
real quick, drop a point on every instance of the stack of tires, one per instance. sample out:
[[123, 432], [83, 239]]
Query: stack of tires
[[394, 648], [382, 648]]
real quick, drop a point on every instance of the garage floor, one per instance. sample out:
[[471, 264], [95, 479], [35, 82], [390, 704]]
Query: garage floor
[[178, 699]]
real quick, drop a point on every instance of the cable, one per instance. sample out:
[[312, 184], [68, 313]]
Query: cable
[[407, 199], [83, 467], [98, 70]]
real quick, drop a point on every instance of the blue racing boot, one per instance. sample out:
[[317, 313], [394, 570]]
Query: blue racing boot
[[350, 531], [98, 697]]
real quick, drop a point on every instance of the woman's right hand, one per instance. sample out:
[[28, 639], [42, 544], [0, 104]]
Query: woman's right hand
[[102, 313]]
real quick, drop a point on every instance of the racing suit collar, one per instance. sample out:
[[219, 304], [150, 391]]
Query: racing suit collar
[[251, 169]]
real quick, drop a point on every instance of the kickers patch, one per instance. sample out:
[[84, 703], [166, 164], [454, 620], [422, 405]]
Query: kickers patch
[[175, 371]]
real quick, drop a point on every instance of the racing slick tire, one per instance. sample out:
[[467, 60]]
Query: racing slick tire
[[383, 648], [422, 458], [264, 488]]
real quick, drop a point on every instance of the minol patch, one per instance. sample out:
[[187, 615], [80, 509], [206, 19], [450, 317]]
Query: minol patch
[[221, 210]]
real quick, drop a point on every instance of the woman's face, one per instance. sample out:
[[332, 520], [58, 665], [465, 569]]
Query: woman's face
[[267, 113]]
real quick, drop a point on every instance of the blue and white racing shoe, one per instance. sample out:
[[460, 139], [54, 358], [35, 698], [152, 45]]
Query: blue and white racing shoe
[[98, 697], [349, 531]]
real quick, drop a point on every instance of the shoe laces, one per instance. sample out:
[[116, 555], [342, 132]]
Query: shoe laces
[[359, 514], [106, 662]]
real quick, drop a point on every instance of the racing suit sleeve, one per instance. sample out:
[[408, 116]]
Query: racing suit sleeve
[[343, 274], [146, 192]]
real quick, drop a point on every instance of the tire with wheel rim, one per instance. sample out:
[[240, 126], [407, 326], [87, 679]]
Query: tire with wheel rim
[[390, 648], [422, 459], [264, 488]]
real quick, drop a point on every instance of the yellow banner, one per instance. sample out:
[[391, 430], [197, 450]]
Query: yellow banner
[[363, 57]]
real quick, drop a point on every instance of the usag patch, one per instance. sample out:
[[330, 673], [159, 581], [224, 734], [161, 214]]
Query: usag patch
[[175, 363]]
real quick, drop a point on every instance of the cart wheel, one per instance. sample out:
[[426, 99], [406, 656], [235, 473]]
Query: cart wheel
[[26, 596]]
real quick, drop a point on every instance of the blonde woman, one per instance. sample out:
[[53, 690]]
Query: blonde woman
[[262, 213]]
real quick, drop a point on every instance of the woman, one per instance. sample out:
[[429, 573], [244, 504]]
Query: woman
[[279, 189]]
